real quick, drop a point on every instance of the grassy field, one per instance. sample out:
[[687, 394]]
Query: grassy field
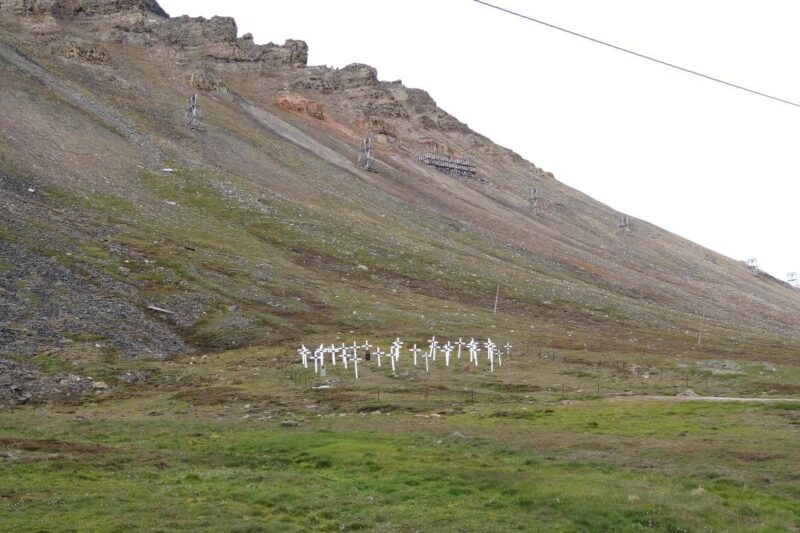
[[201, 445]]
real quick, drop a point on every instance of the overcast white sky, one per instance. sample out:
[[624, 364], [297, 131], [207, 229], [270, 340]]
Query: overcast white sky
[[708, 162]]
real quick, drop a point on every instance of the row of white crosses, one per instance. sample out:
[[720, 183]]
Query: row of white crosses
[[349, 354]]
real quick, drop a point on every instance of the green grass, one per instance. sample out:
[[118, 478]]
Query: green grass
[[200, 447], [160, 475], [82, 336]]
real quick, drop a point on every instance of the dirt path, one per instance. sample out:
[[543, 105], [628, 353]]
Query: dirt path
[[706, 399]]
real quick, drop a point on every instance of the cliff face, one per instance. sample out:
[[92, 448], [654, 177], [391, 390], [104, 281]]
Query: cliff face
[[68, 8], [252, 223]]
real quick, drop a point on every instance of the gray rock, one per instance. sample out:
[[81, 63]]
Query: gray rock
[[68, 8], [290, 424], [24, 399]]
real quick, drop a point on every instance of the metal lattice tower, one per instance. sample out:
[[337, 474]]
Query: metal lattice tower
[[625, 223], [752, 264], [193, 114], [533, 199], [365, 160], [791, 279]]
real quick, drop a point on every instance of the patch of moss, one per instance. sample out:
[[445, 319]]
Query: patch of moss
[[82, 336]]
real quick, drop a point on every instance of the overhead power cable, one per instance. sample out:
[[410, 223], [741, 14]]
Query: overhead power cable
[[637, 54]]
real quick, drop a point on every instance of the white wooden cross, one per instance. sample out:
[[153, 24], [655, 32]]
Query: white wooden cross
[[415, 351], [490, 346], [317, 357], [394, 354], [354, 358], [500, 353], [366, 346], [378, 354], [460, 345], [427, 356], [332, 351], [397, 344], [344, 355], [395, 351], [474, 348], [304, 353], [447, 349], [433, 343]]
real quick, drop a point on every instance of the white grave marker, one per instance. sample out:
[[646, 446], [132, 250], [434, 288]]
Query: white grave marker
[[490, 346], [394, 353], [448, 348], [396, 345], [316, 357], [355, 363], [473, 351], [304, 352], [415, 351], [427, 356], [433, 344], [460, 345]]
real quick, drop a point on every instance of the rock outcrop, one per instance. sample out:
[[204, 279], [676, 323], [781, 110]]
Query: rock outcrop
[[330, 81], [145, 22], [84, 51], [204, 80], [212, 39], [68, 8], [300, 104], [188, 32]]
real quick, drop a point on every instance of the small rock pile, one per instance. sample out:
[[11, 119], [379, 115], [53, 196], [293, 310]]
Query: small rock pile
[[21, 385]]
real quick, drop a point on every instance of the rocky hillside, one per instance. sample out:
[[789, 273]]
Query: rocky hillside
[[126, 230]]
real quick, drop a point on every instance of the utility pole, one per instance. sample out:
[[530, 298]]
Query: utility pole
[[700, 333]]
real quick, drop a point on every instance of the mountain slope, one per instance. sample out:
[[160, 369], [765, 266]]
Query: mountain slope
[[259, 227]]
